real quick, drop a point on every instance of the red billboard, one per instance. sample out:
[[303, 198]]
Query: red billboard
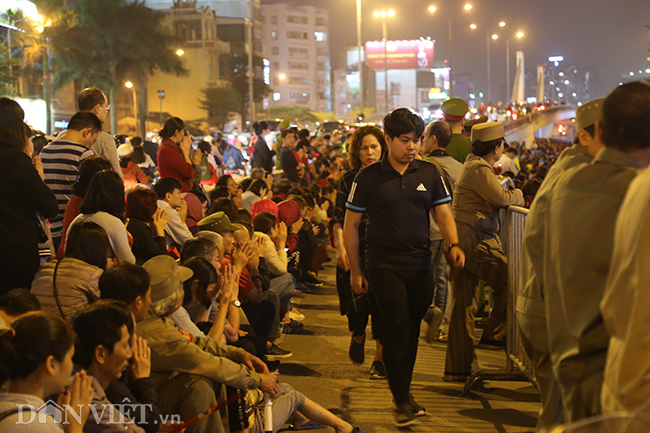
[[416, 54]]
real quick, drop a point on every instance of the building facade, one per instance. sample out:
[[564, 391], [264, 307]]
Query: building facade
[[296, 43], [201, 49]]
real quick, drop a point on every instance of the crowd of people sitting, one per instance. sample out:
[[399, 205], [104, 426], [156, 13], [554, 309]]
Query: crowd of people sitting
[[128, 275]]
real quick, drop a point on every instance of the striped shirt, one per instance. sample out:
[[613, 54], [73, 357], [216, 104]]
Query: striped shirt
[[61, 161]]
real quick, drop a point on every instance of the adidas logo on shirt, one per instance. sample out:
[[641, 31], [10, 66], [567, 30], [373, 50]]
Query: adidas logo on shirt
[[420, 188]]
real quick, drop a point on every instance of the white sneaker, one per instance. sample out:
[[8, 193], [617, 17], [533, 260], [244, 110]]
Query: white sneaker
[[296, 315]]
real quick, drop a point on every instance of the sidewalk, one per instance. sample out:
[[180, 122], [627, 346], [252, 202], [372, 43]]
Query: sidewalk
[[321, 369]]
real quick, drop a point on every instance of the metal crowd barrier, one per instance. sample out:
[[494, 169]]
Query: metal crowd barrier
[[518, 365]]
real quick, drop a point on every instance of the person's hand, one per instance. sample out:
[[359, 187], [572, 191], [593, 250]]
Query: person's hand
[[238, 197], [458, 257], [254, 256], [141, 358], [225, 289], [38, 164], [240, 256], [77, 399], [242, 333], [295, 227], [325, 206], [281, 236], [185, 144], [182, 211], [253, 362], [198, 155], [343, 262], [359, 283], [316, 230], [269, 383], [160, 220]]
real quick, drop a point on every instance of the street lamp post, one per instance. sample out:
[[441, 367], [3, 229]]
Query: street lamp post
[[518, 35], [161, 92], [251, 75], [383, 15], [129, 85], [494, 36], [433, 9], [361, 99]]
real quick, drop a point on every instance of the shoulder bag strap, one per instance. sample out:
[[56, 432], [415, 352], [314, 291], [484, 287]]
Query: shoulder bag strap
[[56, 291]]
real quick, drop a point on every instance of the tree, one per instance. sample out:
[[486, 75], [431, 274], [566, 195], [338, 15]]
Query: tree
[[219, 101], [236, 71], [112, 41]]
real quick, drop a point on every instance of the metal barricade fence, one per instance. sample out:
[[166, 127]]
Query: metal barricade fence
[[518, 365]]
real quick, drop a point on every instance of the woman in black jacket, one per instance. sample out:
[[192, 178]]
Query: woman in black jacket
[[24, 194], [146, 224]]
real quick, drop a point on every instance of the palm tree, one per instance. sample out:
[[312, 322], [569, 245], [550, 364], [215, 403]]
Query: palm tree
[[109, 41]]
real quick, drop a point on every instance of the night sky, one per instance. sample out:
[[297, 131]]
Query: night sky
[[607, 37]]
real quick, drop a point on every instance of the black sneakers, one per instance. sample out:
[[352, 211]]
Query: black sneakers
[[276, 352], [417, 409], [357, 352], [377, 370], [404, 415]]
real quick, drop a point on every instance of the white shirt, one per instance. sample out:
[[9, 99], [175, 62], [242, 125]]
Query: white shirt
[[506, 164], [176, 232]]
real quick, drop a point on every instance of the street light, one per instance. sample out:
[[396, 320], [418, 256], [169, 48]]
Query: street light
[[518, 35], [433, 9], [161, 92], [383, 15], [494, 36], [282, 76], [129, 85], [360, 61]]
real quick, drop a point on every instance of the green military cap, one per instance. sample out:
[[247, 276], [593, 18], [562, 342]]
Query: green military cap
[[589, 113], [487, 131], [454, 109], [472, 122], [218, 222], [284, 124]]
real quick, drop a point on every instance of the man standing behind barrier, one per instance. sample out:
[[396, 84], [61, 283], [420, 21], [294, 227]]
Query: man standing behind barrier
[[531, 313], [478, 198], [578, 251], [397, 193], [436, 139], [454, 111]]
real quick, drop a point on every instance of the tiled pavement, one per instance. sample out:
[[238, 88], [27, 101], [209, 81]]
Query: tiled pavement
[[321, 369]]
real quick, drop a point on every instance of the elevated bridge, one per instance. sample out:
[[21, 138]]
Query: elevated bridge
[[538, 124]]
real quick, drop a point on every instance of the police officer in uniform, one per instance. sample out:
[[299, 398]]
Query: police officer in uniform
[[478, 198], [454, 111]]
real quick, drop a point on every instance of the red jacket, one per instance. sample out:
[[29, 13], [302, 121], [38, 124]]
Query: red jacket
[[172, 164]]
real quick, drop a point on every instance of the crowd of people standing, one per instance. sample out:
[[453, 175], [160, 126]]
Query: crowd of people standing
[[167, 276]]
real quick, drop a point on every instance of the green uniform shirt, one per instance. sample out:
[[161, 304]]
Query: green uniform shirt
[[459, 147]]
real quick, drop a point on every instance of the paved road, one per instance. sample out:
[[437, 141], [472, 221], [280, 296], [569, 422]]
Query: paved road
[[321, 369]]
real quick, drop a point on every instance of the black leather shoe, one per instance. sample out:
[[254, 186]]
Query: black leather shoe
[[357, 352]]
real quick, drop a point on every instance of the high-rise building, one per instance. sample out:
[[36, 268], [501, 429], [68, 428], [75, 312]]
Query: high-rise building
[[296, 42]]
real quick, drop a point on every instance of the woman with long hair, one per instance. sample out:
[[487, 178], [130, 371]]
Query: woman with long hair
[[146, 224], [367, 146], [67, 286], [174, 153], [88, 168], [104, 205], [37, 360], [24, 194]]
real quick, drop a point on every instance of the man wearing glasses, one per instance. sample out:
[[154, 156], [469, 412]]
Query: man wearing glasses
[[94, 101]]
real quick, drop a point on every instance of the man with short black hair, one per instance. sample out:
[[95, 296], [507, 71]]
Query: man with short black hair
[[127, 283], [290, 164], [93, 100], [61, 160], [436, 138], [171, 200], [201, 247], [15, 303], [103, 349], [397, 193]]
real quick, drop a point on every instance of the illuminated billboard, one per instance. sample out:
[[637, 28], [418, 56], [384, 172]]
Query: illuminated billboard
[[414, 54]]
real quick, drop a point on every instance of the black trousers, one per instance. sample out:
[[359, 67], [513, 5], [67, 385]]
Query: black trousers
[[403, 297]]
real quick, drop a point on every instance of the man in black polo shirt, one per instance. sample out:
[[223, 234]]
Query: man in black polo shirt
[[397, 193]]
